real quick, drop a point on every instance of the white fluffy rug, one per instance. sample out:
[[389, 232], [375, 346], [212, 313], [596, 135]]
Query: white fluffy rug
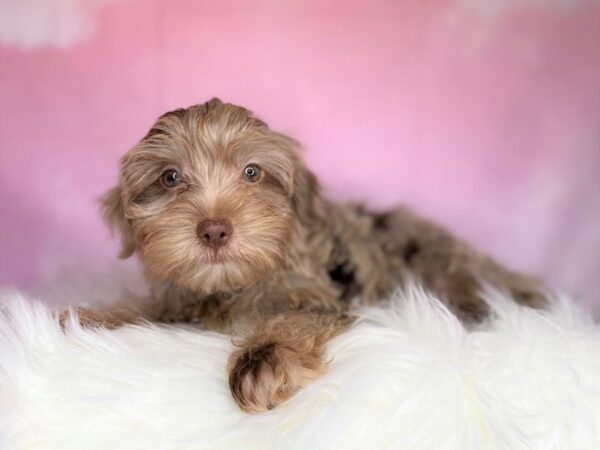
[[406, 377]]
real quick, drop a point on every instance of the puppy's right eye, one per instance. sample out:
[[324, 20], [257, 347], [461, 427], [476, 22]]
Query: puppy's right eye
[[170, 178], [251, 173]]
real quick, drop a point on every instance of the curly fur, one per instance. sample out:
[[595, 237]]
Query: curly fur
[[295, 260]]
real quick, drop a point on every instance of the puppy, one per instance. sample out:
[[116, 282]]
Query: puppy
[[233, 233]]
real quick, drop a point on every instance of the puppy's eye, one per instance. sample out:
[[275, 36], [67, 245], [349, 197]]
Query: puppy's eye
[[170, 178], [251, 173]]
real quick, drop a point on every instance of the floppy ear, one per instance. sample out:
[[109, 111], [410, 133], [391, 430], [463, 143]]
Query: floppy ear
[[114, 214], [306, 197]]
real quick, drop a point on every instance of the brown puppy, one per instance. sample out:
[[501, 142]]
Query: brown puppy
[[233, 233]]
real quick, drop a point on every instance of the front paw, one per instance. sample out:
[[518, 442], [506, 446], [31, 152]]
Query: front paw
[[263, 376]]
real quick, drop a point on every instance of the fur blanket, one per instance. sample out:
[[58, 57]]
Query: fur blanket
[[407, 375]]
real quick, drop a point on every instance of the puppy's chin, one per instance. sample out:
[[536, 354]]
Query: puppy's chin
[[224, 276], [221, 272]]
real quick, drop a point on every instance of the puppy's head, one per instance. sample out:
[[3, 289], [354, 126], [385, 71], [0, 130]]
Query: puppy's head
[[208, 196]]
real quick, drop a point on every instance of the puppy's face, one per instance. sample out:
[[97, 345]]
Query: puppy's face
[[207, 197]]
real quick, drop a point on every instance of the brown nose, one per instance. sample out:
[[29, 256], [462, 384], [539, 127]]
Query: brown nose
[[214, 233]]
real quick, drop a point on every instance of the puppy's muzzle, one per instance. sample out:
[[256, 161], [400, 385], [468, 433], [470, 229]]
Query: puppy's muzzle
[[214, 233]]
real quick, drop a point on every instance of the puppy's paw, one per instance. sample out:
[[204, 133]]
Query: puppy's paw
[[530, 297], [89, 318], [527, 291], [264, 376]]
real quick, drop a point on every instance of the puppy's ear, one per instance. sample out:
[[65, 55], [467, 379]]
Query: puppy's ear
[[306, 198], [114, 214], [214, 102]]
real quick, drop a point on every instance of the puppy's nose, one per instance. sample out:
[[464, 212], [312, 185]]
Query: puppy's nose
[[214, 233]]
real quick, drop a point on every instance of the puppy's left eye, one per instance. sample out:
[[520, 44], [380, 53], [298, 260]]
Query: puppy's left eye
[[251, 173], [170, 178]]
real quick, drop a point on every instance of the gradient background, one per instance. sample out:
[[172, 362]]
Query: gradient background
[[482, 114]]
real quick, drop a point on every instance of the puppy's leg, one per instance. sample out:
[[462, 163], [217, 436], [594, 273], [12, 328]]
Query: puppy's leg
[[450, 267], [460, 284], [114, 315], [98, 318], [282, 355]]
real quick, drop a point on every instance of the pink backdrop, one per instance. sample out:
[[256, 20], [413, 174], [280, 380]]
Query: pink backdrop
[[483, 114]]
